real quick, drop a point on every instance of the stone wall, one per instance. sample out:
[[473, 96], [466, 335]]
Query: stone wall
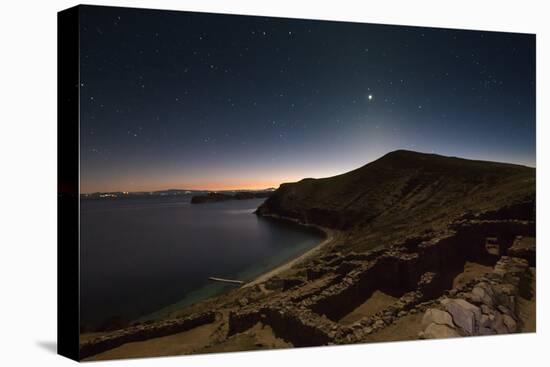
[[486, 306], [144, 332], [525, 248], [301, 327]]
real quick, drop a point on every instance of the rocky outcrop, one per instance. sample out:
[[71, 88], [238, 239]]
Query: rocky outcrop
[[487, 306], [144, 332], [398, 270], [436, 331]]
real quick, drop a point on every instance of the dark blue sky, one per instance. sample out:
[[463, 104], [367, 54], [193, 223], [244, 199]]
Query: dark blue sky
[[190, 100]]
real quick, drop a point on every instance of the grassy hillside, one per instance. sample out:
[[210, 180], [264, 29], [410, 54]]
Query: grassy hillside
[[405, 193]]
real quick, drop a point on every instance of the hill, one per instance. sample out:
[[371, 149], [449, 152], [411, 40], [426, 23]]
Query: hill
[[405, 193], [214, 197]]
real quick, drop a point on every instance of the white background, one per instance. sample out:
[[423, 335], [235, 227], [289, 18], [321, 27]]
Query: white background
[[28, 181]]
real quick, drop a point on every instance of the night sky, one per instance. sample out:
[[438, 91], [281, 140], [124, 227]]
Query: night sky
[[202, 101]]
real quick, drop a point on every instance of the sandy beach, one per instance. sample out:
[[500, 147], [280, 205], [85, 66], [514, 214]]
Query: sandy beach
[[329, 237]]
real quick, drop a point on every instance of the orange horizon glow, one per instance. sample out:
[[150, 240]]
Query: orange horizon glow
[[228, 185]]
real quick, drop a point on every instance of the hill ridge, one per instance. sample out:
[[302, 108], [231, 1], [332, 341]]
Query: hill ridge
[[404, 191]]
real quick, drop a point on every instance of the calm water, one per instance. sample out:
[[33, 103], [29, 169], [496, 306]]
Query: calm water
[[142, 255]]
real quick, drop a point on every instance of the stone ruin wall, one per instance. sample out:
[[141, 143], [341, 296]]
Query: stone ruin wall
[[419, 265], [144, 332]]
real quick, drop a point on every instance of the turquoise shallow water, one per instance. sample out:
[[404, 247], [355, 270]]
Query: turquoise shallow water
[[139, 256]]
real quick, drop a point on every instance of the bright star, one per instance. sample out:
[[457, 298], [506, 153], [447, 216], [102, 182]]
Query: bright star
[[370, 97]]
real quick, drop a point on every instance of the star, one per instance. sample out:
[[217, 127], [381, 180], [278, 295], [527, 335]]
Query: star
[[370, 97]]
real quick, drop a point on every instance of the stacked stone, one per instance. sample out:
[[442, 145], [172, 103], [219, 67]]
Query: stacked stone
[[486, 307], [144, 332], [481, 307], [525, 248], [297, 325]]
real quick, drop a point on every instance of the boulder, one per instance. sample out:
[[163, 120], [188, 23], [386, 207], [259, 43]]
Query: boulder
[[483, 294], [464, 314], [485, 322], [510, 323], [498, 324], [436, 331], [435, 316]]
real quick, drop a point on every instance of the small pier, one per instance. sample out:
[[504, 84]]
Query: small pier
[[223, 280]]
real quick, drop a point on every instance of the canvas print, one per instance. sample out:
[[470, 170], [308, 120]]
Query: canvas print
[[253, 183]]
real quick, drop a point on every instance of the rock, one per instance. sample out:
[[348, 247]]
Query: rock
[[486, 331], [436, 316], [510, 323], [482, 295], [485, 321], [504, 310], [387, 319], [525, 248], [436, 331], [379, 324], [498, 324], [243, 301], [511, 269], [464, 314], [472, 298], [486, 309]]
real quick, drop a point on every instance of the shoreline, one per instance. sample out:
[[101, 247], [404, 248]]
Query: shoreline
[[327, 233]]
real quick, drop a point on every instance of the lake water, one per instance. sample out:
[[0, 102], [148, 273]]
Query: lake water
[[142, 255]]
